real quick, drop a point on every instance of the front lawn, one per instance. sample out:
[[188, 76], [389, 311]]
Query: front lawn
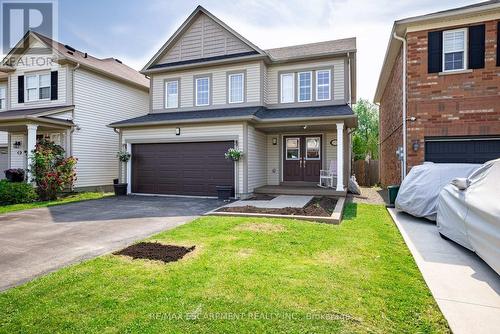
[[244, 276], [84, 196]]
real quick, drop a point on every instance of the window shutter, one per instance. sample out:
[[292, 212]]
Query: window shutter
[[435, 51], [53, 85], [476, 46], [498, 43], [20, 89]]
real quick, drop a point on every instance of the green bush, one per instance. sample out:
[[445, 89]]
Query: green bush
[[16, 192]]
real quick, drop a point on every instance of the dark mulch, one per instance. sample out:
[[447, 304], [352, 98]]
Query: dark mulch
[[319, 207], [155, 251], [260, 197]]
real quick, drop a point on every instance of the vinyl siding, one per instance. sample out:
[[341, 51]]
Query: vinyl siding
[[98, 102], [204, 38], [193, 133], [273, 160], [331, 151], [257, 159], [67, 115], [219, 86], [17, 160], [337, 80], [4, 135]]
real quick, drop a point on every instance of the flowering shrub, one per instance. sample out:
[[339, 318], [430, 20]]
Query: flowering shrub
[[52, 172], [233, 154]]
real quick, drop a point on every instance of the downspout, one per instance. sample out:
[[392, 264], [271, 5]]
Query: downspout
[[403, 40], [349, 74]]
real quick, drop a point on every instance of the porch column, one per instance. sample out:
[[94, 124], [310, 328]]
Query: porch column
[[340, 157], [30, 145]]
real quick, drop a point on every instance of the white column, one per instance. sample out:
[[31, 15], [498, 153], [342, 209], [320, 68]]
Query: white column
[[129, 169], [340, 157], [30, 145]]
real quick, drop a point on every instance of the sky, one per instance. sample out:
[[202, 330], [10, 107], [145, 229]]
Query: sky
[[134, 30]]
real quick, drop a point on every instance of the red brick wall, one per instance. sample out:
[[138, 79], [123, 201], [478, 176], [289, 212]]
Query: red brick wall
[[391, 119], [454, 104]]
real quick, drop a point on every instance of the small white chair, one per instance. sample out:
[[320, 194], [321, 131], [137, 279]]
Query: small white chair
[[328, 178]]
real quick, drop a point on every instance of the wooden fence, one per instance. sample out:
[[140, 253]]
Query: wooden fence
[[366, 172]]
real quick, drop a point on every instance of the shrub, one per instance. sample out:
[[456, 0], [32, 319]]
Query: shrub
[[16, 192], [15, 174], [52, 171]]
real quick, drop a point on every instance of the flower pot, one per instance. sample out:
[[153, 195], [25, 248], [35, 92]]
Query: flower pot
[[14, 175], [120, 189], [224, 192]]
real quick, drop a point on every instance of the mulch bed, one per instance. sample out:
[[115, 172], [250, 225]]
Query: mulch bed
[[155, 251], [318, 207]]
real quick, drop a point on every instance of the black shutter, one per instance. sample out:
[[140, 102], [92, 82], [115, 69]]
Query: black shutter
[[20, 89], [498, 43], [53, 85], [435, 51], [476, 46]]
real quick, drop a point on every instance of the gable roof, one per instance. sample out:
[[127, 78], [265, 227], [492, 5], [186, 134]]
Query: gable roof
[[402, 26], [186, 25], [108, 66], [313, 49]]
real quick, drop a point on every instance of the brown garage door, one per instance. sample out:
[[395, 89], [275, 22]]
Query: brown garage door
[[181, 168]]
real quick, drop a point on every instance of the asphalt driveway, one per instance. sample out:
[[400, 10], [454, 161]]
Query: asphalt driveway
[[39, 241]]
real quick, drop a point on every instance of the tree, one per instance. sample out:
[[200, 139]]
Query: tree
[[366, 136]]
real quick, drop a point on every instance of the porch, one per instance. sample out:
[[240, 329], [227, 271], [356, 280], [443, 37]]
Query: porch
[[305, 188]]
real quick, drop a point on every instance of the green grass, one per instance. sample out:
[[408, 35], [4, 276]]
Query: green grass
[[84, 196], [299, 277]]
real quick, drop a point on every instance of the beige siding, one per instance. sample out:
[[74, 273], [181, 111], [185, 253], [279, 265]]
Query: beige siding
[[18, 160], [338, 77], [204, 38], [273, 160], [219, 85], [331, 151], [265, 83], [257, 159], [165, 134], [98, 102]]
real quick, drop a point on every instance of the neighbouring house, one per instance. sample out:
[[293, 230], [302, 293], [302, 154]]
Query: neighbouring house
[[287, 109], [53, 91], [440, 81]]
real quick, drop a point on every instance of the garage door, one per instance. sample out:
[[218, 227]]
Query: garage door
[[181, 168], [471, 150]]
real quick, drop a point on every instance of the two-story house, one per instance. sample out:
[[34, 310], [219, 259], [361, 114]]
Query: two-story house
[[439, 90], [53, 91], [287, 109]]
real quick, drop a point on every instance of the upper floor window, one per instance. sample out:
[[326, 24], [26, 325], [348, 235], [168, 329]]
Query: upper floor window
[[202, 91], [38, 87], [172, 94], [305, 86], [236, 88], [2, 97], [323, 79], [454, 50], [287, 88]]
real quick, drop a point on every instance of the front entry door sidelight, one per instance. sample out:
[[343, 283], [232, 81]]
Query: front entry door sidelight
[[302, 158]]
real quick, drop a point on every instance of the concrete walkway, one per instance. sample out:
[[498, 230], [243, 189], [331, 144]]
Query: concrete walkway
[[466, 289], [279, 202], [35, 242]]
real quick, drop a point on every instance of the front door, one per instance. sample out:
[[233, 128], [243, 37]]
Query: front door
[[302, 158]]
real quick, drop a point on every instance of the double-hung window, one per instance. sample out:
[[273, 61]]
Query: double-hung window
[[287, 88], [38, 87], [304, 86], [202, 91], [172, 94], [323, 85], [2, 97], [454, 50], [236, 88]]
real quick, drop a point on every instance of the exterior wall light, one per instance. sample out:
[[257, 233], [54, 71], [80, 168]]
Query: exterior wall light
[[177, 131], [275, 141], [17, 144], [416, 145]]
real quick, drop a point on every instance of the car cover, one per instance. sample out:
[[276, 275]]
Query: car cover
[[420, 189], [471, 217]]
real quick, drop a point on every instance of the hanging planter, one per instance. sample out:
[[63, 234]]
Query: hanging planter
[[123, 156], [233, 154]]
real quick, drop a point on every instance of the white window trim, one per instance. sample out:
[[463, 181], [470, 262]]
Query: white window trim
[[37, 75], [4, 99], [242, 87], [310, 86], [298, 147], [293, 87], [466, 43], [329, 85], [319, 150], [196, 92], [166, 94]]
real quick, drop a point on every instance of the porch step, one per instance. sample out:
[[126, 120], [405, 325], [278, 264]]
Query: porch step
[[298, 190]]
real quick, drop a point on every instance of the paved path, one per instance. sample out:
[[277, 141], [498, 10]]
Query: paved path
[[38, 241], [466, 289]]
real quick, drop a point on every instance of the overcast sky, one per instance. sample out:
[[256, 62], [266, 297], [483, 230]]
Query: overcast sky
[[133, 30]]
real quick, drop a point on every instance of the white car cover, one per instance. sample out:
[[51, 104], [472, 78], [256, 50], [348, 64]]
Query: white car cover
[[420, 189], [471, 217]]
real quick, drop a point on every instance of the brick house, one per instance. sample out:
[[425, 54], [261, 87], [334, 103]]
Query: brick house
[[449, 63]]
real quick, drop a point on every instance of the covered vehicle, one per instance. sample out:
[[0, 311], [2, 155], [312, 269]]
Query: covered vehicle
[[469, 212], [420, 189]]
